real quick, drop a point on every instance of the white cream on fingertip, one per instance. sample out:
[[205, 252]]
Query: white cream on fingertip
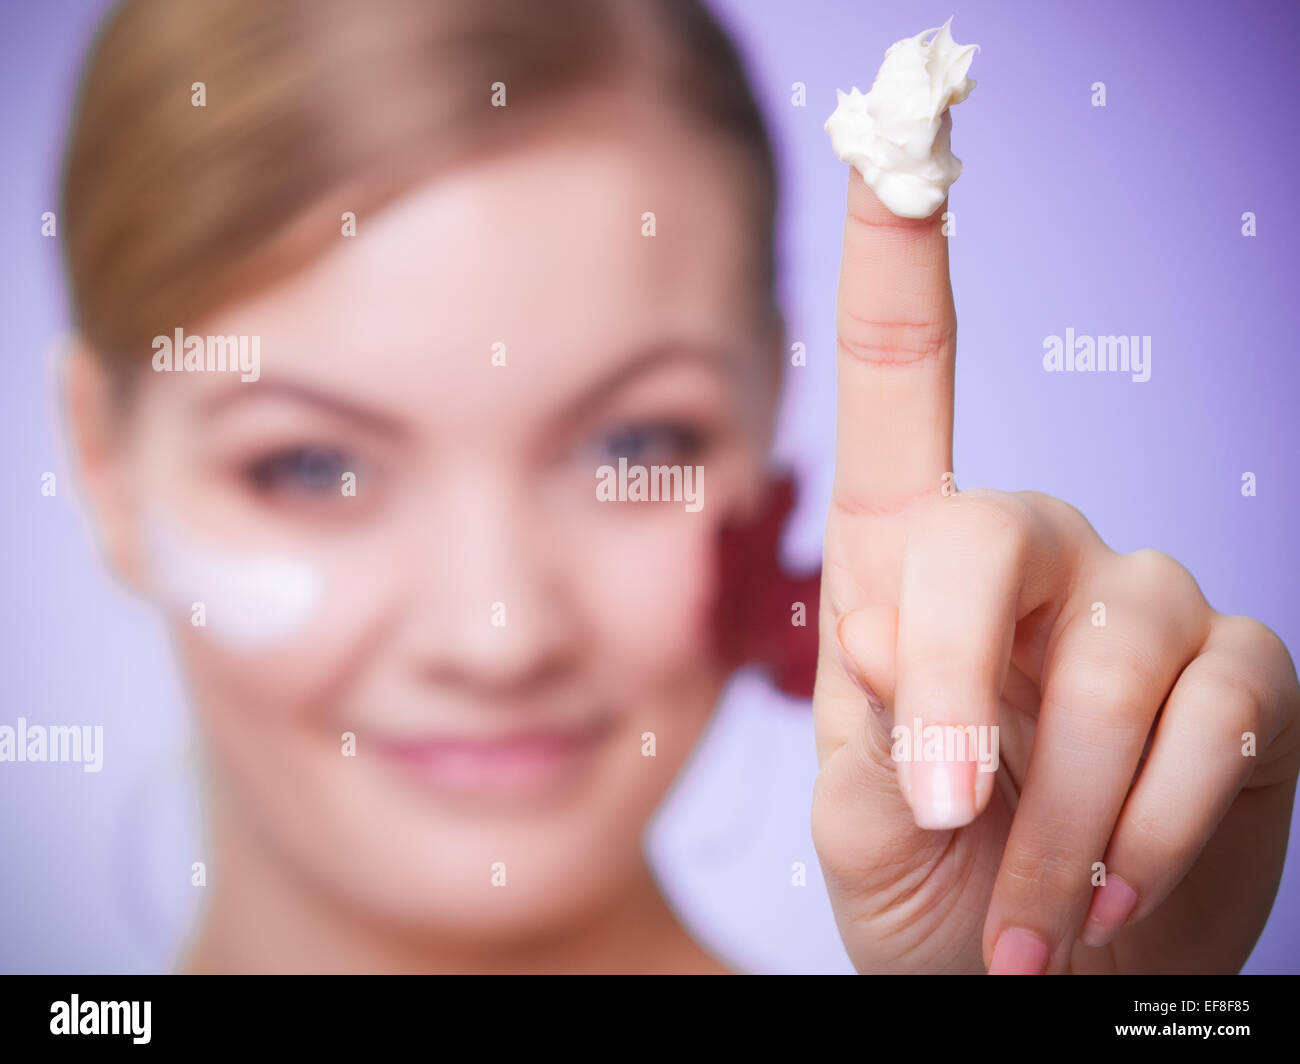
[[250, 602], [896, 135]]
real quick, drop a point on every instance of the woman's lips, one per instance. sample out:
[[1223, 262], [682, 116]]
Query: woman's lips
[[523, 764]]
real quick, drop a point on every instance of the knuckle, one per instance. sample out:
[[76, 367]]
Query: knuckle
[[1254, 660], [992, 519], [1103, 691], [1217, 704], [1061, 513], [1041, 868], [1155, 573], [1148, 834], [1236, 710], [1256, 640], [894, 342]]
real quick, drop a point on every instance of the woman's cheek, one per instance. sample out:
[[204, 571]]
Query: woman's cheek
[[647, 578], [269, 633]]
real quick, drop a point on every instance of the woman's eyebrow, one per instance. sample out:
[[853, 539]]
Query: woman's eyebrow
[[645, 361], [297, 391]]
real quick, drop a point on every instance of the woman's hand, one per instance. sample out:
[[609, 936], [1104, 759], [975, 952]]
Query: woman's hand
[[1140, 736]]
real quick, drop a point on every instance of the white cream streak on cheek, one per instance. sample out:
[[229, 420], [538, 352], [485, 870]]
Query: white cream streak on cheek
[[249, 602]]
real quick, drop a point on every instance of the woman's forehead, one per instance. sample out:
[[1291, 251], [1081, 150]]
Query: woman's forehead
[[546, 266]]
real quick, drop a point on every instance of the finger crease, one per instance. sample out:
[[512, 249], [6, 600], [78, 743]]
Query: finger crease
[[918, 225], [889, 506], [890, 351]]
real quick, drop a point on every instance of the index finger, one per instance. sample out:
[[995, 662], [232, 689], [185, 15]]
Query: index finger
[[896, 331]]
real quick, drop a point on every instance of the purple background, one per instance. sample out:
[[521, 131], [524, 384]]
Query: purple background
[[1123, 219]]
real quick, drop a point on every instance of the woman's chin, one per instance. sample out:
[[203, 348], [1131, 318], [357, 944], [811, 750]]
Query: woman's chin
[[455, 872]]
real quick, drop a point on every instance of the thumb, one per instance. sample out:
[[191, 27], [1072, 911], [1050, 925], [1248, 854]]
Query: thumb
[[866, 833]]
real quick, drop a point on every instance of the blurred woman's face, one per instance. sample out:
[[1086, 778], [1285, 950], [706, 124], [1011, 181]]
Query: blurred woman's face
[[505, 648]]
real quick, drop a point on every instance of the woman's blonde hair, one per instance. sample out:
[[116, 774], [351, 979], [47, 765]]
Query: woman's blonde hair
[[177, 197]]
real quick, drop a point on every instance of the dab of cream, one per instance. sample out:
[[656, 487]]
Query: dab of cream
[[248, 601], [896, 135]]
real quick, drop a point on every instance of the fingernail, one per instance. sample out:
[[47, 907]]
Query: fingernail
[[943, 793], [1112, 903], [1018, 952]]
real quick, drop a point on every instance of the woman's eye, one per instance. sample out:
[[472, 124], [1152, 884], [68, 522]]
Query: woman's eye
[[650, 443], [301, 470]]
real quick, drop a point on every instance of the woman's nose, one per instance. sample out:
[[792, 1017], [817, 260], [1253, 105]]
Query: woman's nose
[[488, 604]]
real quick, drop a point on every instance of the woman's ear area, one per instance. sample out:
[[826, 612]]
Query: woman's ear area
[[95, 425], [777, 363]]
